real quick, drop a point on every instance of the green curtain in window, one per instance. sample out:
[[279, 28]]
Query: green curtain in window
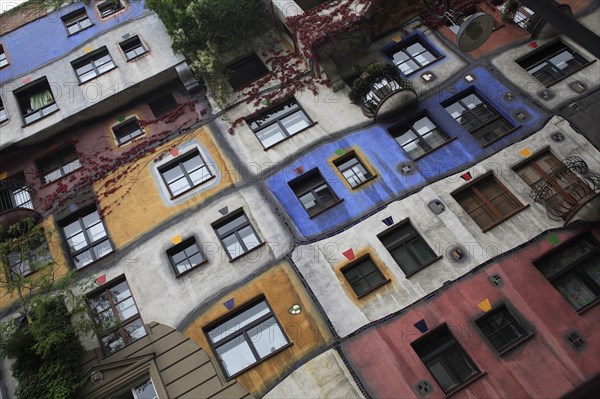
[[40, 100]]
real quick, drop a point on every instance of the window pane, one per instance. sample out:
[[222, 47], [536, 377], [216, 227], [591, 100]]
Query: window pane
[[270, 135], [592, 269], [135, 330], [248, 237], [442, 376], [120, 292], [408, 67], [146, 390], [575, 290], [200, 175], [233, 224], [236, 355], [106, 319], [102, 249], [295, 122], [234, 324], [267, 337], [172, 174], [126, 309], [233, 246], [112, 343], [405, 260]]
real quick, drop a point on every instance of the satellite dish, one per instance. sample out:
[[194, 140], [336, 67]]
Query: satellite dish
[[473, 31]]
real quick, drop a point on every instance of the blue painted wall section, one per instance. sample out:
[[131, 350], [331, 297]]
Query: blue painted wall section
[[46, 39], [385, 155]]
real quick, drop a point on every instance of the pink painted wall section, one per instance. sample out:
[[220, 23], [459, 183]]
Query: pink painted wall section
[[545, 366]]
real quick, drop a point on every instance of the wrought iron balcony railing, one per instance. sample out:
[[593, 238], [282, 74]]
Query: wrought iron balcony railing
[[15, 193], [567, 189], [375, 102]]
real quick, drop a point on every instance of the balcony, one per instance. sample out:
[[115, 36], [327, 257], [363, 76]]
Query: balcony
[[15, 202], [526, 19], [571, 192], [381, 92]]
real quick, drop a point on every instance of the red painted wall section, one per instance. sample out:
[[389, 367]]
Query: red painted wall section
[[543, 366]]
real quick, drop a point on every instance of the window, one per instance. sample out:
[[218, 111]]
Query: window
[[412, 56], [58, 164], [142, 390], [3, 58], [185, 256], [86, 237], [133, 48], [109, 8], [15, 193], [478, 118], [552, 63], [163, 105], [565, 189], [279, 122], [247, 338], [353, 169], [245, 71], [410, 251], [92, 65], [184, 173], [501, 328], [23, 264], [313, 192], [76, 21], [237, 234], [419, 137], [446, 359], [127, 131], [116, 317], [35, 100], [363, 276], [3, 114], [574, 270], [487, 201]]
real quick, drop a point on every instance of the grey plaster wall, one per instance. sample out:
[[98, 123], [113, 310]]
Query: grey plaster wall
[[318, 263], [72, 97]]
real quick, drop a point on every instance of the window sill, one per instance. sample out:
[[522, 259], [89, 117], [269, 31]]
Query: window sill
[[566, 76], [231, 260], [137, 57], [80, 30], [370, 179], [270, 355], [191, 269], [320, 211], [465, 384], [588, 306], [40, 118], [451, 139], [513, 213], [91, 263], [288, 137], [372, 289], [97, 76], [188, 190], [407, 275], [501, 137], [516, 344]]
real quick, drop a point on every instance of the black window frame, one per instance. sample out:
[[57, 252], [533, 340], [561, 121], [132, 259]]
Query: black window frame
[[90, 59], [238, 80], [443, 351], [59, 157], [513, 324], [13, 198], [124, 132], [162, 105], [403, 47], [3, 57], [76, 18], [3, 113], [89, 246], [243, 331], [183, 246], [227, 233], [344, 159], [360, 265], [301, 186], [475, 132], [111, 7], [37, 257], [392, 243], [398, 131], [119, 327], [257, 126], [574, 268], [24, 95], [178, 162], [139, 44], [544, 54]]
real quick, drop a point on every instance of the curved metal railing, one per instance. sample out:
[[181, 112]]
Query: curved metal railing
[[15, 193], [567, 188], [380, 90]]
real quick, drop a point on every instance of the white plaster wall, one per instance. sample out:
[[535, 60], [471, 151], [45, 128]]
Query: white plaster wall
[[73, 97], [441, 232], [325, 376], [505, 63]]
